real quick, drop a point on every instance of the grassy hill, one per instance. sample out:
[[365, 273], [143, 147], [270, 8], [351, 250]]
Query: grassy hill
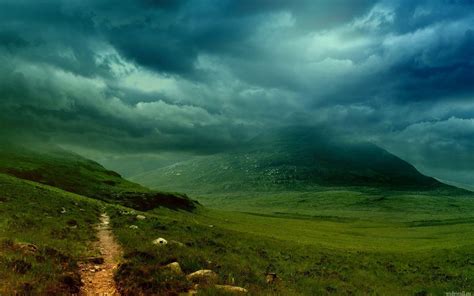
[[66, 170], [321, 243], [50, 201], [289, 160], [44, 233]]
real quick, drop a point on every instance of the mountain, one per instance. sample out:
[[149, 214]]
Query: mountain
[[290, 159], [313, 241], [71, 172]]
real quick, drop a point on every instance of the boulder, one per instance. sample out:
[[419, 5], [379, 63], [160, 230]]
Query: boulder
[[175, 268], [203, 276], [133, 227], [140, 217], [160, 241], [232, 289]]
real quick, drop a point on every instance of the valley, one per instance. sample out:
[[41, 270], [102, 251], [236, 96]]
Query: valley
[[236, 147], [328, 240]]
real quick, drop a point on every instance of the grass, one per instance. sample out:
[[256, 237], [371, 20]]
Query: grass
[[44, 231], [349, 202], [310, 257], [350, 235], [46, 227], [62, 169], [332, 240]]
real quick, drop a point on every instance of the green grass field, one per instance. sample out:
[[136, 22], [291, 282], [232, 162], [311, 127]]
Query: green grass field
[[311, 256], [334, 242], [342, 241]]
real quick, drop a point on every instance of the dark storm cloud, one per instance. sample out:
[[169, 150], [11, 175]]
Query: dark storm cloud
[[141, 76]]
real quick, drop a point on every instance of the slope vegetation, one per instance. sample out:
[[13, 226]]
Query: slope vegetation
[[62, 169], [289, 160], [44, 233], [50, 203], [349, 243]]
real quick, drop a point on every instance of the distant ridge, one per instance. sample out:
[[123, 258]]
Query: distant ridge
[[290, 159]]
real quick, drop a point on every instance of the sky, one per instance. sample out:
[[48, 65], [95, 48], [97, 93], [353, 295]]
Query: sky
[[149, 78]]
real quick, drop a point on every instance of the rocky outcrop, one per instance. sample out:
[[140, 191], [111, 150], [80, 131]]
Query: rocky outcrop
[[203, 277], [175, 268], [160, 242]]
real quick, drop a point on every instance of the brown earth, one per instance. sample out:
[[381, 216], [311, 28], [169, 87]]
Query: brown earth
[[98, 277]]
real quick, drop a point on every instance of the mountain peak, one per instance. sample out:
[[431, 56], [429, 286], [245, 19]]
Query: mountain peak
[[291, 158]]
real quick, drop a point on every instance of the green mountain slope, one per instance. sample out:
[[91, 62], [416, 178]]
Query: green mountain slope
[[414, 245], [290, 159], [62, 169], [44, 232]]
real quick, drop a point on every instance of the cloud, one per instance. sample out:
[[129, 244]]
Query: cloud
[[442, 147], [147, 76]]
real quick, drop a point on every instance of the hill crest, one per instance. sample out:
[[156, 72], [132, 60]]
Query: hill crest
[[290, 159]]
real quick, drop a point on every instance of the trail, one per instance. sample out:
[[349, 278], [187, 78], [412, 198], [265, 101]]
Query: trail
[[98, 278]]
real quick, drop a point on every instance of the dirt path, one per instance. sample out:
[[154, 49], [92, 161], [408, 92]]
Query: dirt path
[[98, 278]]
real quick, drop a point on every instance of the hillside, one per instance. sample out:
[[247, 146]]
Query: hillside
[[50, 203], [44, 232], [290, 159], [69, 171], [401, 245]]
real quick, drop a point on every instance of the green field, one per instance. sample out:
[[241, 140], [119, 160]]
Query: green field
[[311, 256], [335, 242], [331, 240]]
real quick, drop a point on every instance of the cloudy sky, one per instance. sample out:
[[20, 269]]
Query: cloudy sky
[[155, 76]]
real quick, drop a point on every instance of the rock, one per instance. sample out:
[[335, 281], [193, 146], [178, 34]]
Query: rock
[[203, 276], [211, 226], [175, 268], [271, 277], [160, 241], [232, 289], [140, 217], [133, 227]]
